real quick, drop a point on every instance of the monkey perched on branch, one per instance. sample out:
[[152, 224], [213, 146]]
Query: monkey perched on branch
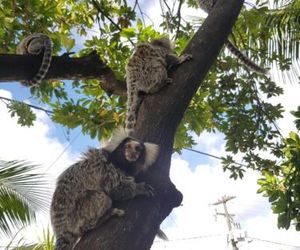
[[147, 72], [85, 191]]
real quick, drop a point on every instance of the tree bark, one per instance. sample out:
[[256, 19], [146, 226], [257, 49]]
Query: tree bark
[[62, 67], [158, 119]]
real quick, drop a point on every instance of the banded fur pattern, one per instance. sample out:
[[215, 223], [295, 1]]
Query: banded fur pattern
[[86, 190], [207, 6], [244, 59], [37, 44], [80, 197], [146, 73]]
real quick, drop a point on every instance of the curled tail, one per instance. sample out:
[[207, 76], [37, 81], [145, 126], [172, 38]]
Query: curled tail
[[65, 241], [133, 104], [245, 60], [47, 57]]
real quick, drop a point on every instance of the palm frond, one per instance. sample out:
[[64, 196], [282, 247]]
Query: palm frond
[[271, 32], [285, 24], [45, 243], [22, 194]]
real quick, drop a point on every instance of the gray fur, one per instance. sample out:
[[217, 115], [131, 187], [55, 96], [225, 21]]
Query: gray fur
[[37, 44], [146, 72], [84, 194]]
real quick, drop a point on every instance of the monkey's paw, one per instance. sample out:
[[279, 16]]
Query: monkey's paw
[[168, 80], [128, 179], [149, 190], [186, 57], [117, 212]]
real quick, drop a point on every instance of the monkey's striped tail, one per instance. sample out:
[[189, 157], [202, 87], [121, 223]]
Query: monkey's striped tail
[[47, 57], [245, 60], [133, 104]]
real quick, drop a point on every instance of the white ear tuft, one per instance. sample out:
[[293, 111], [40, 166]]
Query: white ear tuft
[[118, 136], [151, 154], [104, 142]]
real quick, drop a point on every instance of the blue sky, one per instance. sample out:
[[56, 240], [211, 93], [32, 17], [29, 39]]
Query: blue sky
[[22, 93]]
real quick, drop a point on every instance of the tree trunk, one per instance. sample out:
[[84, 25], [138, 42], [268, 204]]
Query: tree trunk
[[158, 119]]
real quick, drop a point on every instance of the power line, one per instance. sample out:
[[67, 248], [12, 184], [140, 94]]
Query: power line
[[51, 112], [63, 151], [59, 156], [215, 235], [190, 238], [274, 242], [47, 112], [207, 154], [213, 156]]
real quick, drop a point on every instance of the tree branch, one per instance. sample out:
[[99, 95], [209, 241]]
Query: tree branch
[[158, 119], [62, 67]]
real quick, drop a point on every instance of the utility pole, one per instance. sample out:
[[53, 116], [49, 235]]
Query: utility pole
[[228, 217]]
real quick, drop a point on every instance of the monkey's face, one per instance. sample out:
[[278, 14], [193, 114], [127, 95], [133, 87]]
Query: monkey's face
[[163, 42], [133, 150]]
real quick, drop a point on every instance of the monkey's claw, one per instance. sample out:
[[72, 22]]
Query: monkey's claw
[[117, 212], [169, 80], [149, 190], [129, 178], [186, 57]]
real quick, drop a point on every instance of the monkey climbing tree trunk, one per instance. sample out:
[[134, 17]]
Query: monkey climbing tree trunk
[[158, 119]]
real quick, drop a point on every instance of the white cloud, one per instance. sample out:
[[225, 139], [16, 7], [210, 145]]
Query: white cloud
[[31, 143], [193, 225], [154, 14], [35, 144], [212, 143]]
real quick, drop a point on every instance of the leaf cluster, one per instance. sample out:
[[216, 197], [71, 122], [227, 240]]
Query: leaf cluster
[[283, 189], [22, 194], [23, 112]]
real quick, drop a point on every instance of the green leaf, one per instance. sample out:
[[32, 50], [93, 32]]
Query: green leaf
[[67, 42], [22, 194], [23, 112], [128, 32]]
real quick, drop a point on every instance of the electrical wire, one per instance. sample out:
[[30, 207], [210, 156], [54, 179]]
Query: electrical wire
[[213, 156], [273, 242], [191, 238], [51, 112], [3, 99], [218, 235], [63, 151]]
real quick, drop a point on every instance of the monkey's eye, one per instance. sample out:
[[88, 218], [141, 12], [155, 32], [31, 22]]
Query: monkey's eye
[[138, 148]]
